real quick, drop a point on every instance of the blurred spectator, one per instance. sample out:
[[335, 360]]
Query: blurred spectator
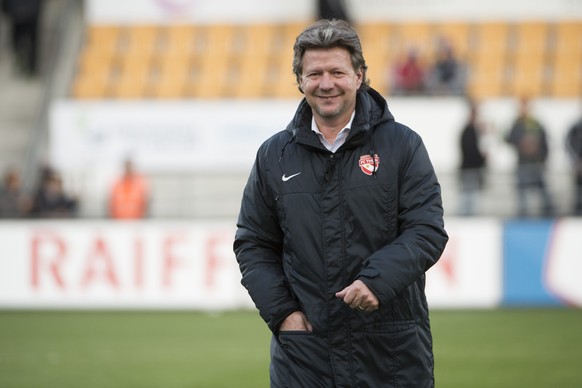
[[51, 200], [574, 147], [129, 196], [447, 75], [24, 17], [529, 138], [408, 75], [473, 162], [332, 9], [14, 203]]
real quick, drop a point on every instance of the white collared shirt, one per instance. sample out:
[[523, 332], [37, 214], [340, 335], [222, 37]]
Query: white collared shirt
[[339, 139]]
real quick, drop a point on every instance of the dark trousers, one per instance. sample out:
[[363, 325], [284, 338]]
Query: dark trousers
[[24, 41], [577, 210]]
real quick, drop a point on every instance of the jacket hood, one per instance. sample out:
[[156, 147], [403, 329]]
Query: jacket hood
[[371, 110]]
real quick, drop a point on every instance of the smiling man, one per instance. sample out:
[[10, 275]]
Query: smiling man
[[340, 219]]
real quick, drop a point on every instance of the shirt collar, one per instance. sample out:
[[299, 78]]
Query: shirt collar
[[340, 138]]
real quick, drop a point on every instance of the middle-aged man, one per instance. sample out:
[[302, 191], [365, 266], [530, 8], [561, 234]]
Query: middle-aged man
[[340, 219]]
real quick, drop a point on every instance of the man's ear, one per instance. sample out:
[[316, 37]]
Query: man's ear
[[360, 75], [298, 78]]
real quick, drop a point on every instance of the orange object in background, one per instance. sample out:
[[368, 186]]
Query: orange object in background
[[129, 195]]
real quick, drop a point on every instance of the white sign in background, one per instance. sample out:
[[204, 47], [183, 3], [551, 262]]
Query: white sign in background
[[201, 11], [119, 265], [563, 266], [469, 273], [223, 136], [204, 136], [190, 265]]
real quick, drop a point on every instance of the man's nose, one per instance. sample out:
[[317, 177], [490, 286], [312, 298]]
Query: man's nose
[[326, 81]]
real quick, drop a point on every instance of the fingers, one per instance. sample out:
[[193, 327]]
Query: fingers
[[358, 296], [308, 325], [296, 321]]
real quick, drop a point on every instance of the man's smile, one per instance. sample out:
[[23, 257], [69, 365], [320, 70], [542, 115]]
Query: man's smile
[[328, 98]]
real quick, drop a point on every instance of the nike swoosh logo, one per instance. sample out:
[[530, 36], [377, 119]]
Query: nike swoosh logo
[[285, 178]]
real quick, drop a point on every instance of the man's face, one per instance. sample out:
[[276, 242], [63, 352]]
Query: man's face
[[330, 84]]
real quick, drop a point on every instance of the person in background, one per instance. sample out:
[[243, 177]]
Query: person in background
[[14, 203], [473, 162], [447, 74], [408, 75], [129, 195], [574, 147], [24, 17], [332, 9], [51, 200], [529, 139], [340, 219]]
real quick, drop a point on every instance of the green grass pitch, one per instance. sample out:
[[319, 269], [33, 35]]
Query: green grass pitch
[[483, 348]]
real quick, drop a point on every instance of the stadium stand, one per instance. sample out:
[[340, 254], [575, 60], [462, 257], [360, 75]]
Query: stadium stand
[[537, 58], [114, 62]]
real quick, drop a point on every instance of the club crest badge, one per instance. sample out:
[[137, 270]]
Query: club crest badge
[[368, 165]]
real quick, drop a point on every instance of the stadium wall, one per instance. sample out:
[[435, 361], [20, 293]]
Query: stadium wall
[[488, 263], [233, 11]]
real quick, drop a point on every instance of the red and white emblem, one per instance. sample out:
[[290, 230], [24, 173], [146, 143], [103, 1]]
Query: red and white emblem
[[369, 165]]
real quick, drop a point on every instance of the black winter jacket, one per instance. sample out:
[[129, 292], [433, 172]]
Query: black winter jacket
[[312, 222]]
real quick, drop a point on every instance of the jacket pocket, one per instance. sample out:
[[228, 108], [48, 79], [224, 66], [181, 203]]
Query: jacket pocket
[[395, 354], [300, 359]]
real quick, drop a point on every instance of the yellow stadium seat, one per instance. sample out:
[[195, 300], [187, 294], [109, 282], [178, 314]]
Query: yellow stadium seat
[[211, 80], [102, 36], [179, 39], [491, 37], [252, 77], [376, 39], [91, 86], [458, 34], [531, 37], [528, 75], [171, 77], [566, 75], [414, 35], [377, 44], [565, 59], [140, 40], [219, 40], [568, 35], [286, 88], [486, 76], [94, 61], [487, 59], [527, 58], [284, 85], [133, 76], [504, 57], [258, 39]]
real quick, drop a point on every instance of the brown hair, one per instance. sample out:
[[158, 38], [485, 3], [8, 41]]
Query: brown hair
[[329, 34]]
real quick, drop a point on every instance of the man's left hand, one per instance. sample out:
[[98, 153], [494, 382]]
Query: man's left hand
[[358, 296]]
